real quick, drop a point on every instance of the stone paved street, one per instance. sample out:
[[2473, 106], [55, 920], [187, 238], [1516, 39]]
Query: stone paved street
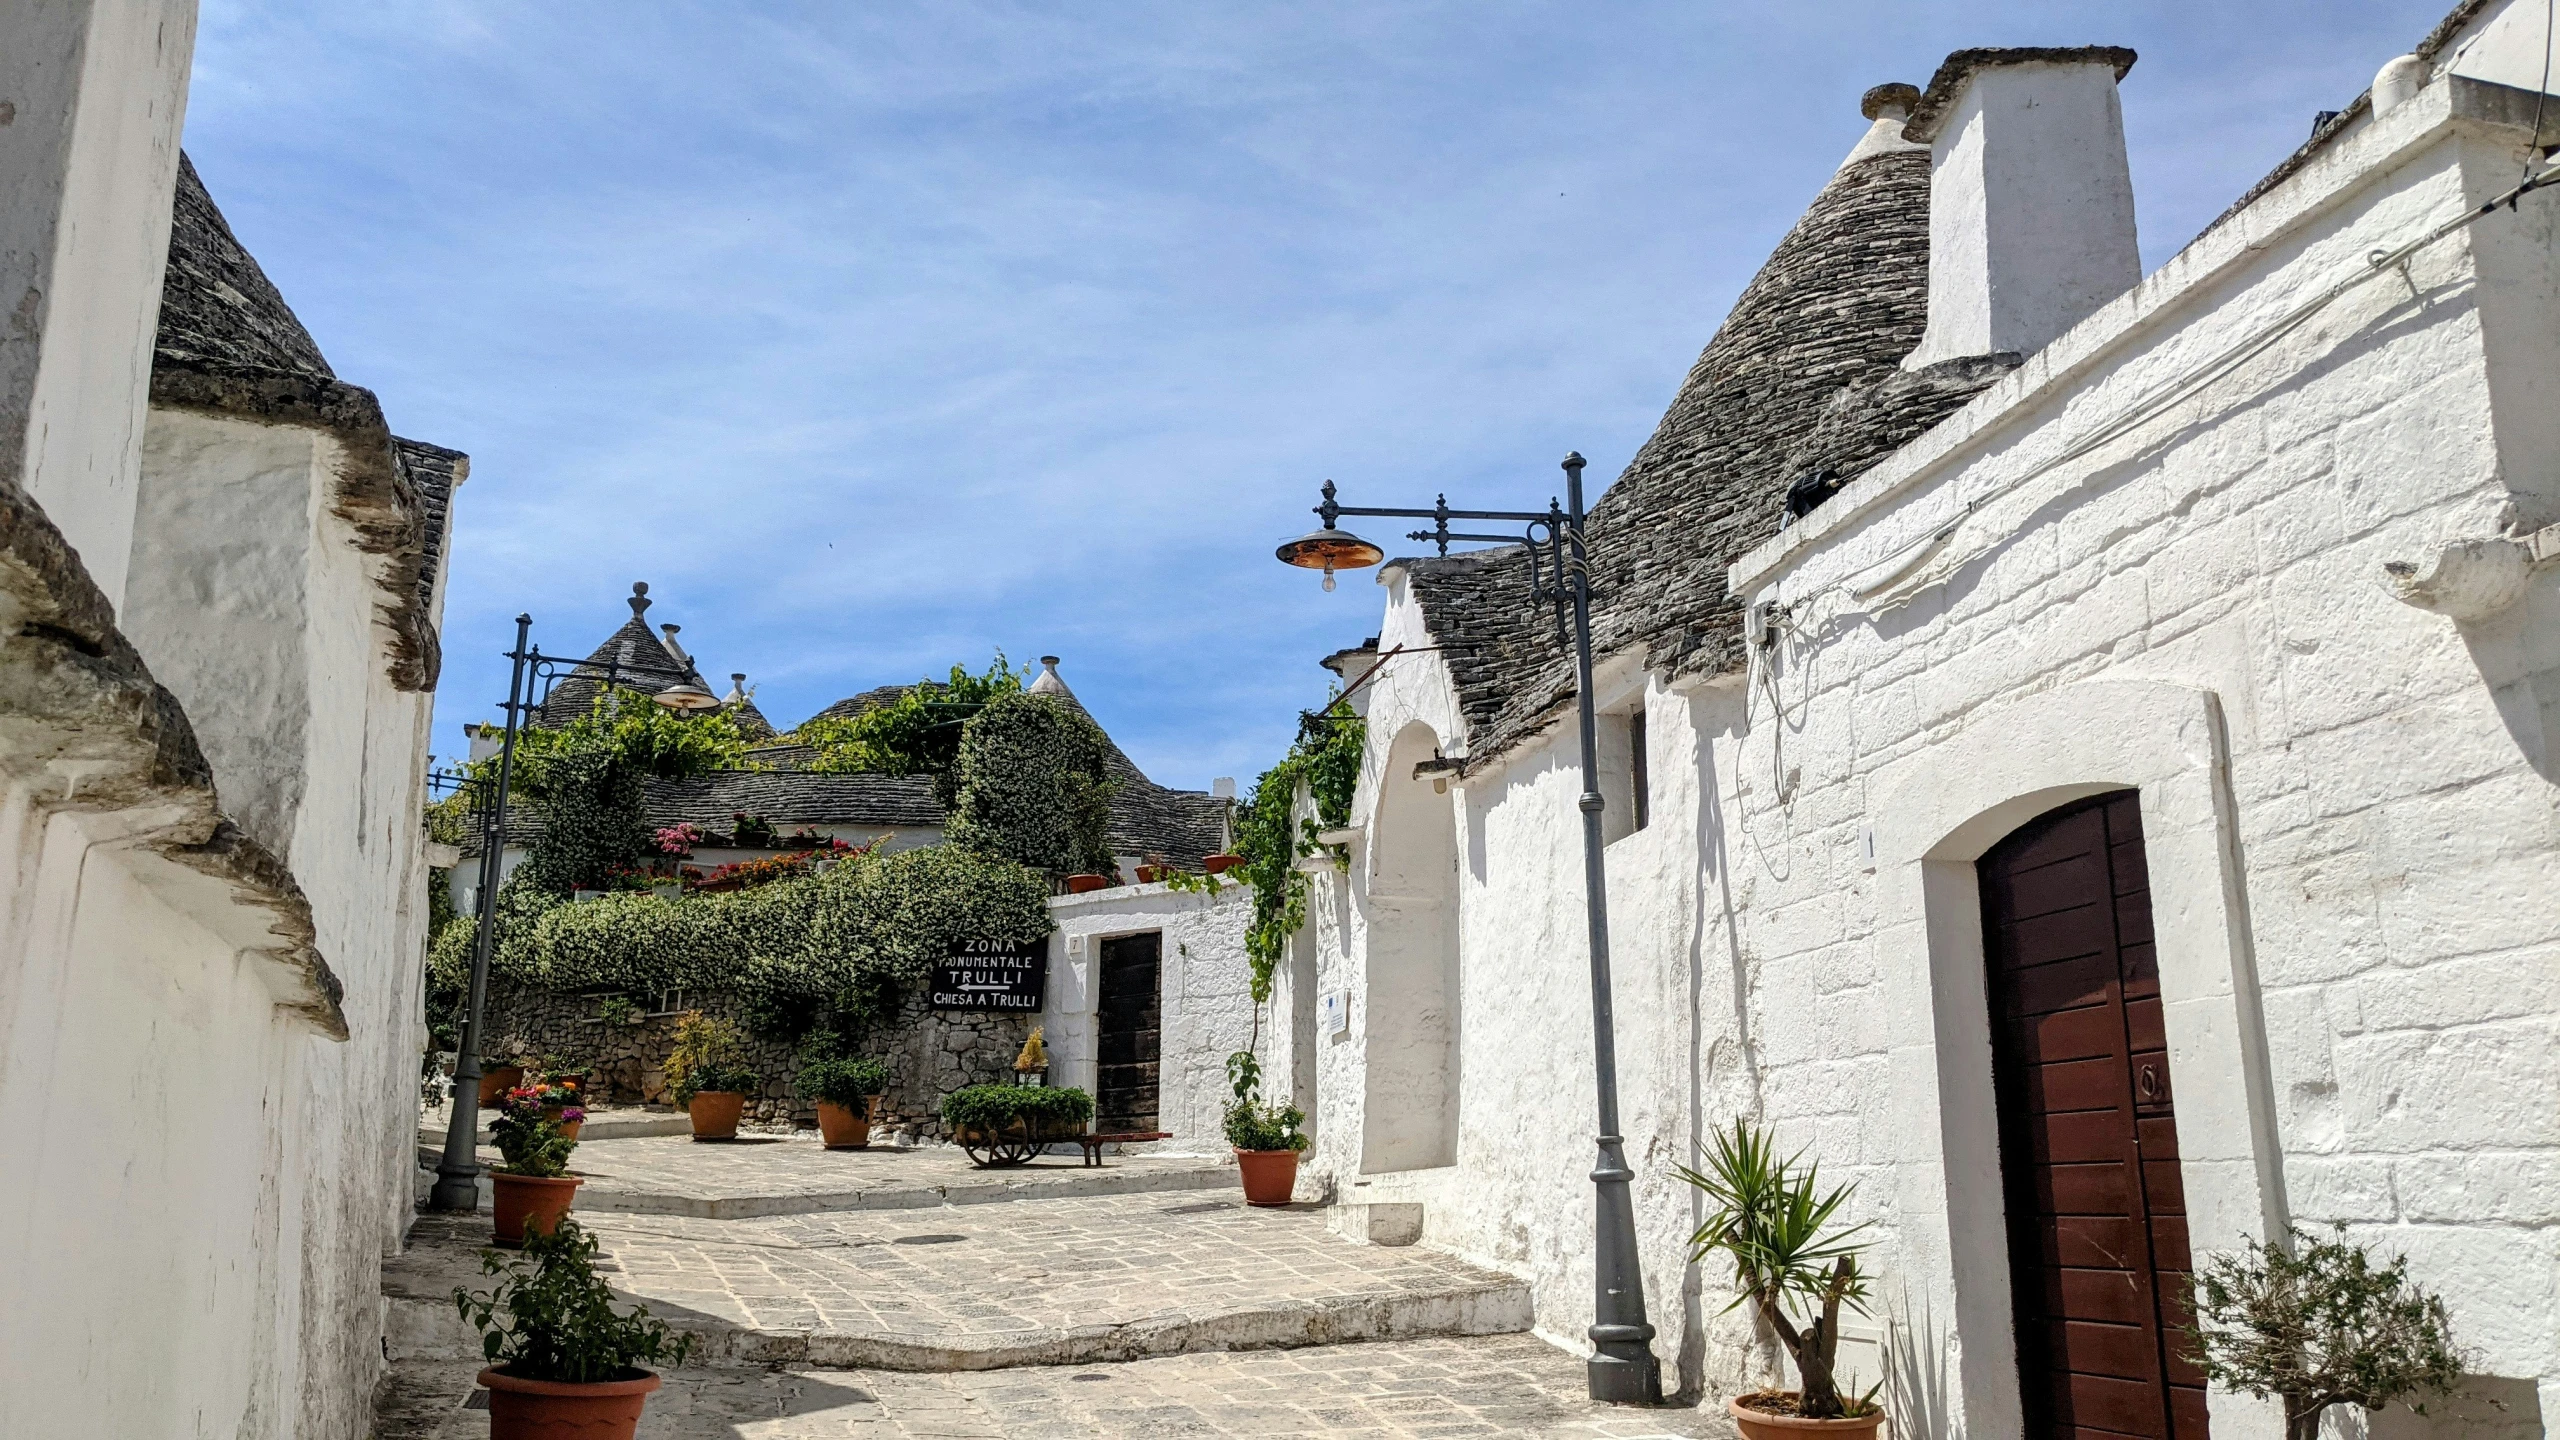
[[1507, 1385], [963, 1287]]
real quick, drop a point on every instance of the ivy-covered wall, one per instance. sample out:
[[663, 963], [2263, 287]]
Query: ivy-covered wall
[[929, 1053]]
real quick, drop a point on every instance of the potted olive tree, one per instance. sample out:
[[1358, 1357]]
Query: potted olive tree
[[847, 1091], [531, 1188], [1775, 1223], [709, 1074], [561, 1360], [1267, 1138], [2319, 1324]]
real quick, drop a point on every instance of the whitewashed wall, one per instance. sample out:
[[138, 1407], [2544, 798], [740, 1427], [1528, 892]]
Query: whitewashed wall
[[1206, 994]]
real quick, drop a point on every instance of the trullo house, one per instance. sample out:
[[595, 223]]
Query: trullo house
[[2080, 752]]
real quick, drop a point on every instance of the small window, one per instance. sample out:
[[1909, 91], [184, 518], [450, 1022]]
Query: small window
[[671, 1002], [1638, 781]]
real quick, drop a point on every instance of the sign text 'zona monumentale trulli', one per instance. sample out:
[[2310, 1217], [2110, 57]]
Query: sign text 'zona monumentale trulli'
[[1007, 975]]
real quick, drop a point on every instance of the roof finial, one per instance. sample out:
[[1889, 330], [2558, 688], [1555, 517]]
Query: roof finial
[[639, 597], [1048, 681]]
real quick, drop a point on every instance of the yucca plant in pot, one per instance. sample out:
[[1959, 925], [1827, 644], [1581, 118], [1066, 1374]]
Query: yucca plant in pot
[[531, 1188], [709, 1074], [1775, 1223], [1267, 1138], [563, 1364], [847, 1091]]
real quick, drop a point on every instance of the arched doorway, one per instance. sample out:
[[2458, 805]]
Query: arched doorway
[[2096, 1210], [1409, 1115]]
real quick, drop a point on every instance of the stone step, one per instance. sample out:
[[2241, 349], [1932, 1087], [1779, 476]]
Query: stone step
[[620, 1124], [1056, 1282]]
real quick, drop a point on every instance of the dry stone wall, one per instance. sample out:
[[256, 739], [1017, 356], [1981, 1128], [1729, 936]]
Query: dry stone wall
[[929, 1052]]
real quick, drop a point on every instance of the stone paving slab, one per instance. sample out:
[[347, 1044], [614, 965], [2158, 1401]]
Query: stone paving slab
[[1039, 1282], [1506, 1385], [767, 1175], [616, 1122]]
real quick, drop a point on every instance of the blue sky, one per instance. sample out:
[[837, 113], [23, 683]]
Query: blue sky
[[876, 337]]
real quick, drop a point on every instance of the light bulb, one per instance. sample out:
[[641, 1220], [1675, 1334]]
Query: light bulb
[[1328, 577]]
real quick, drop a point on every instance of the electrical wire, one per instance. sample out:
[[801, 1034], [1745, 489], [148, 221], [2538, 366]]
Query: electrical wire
[[2542, 92]]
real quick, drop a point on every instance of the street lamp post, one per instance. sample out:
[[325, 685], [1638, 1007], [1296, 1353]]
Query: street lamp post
[[1622, 1369], [458, 1174]]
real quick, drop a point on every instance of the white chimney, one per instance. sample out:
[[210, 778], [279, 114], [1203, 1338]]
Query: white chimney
[[2030, 202]]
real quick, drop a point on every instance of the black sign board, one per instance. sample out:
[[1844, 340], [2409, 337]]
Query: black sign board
[[1008, 975]]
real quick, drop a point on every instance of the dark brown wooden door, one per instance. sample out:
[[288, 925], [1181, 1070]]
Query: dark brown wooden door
[[1130, 1043], [2088, 1143]]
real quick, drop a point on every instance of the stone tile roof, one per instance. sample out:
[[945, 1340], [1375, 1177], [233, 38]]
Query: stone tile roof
[[634, 644], [433, 472], [792, 798], [1803, 373], [852, 705], [228, 344]]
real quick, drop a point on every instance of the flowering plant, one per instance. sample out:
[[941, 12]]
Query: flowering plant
[[528, 1135], [764, 870], [748, 828], [808, 838], [679, 840]]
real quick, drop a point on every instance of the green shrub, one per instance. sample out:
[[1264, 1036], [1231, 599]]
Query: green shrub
[[529, 1139], [1252, 1125], [1034, 786], [997, 1109], [841, 1081], [556, 1321], [918, 733], [2319, 1325]]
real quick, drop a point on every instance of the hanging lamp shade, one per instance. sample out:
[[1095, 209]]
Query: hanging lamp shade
[[1329, 550], [688, 695]]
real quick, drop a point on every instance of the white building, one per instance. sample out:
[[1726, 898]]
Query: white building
[[2187, 641], [220, 575]]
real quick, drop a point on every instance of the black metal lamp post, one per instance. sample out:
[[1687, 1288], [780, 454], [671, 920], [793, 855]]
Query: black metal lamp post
[[1622, 1369], [458, 1175]]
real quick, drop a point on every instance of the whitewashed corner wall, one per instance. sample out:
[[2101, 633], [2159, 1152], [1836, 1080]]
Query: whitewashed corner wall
[[1205, 994]]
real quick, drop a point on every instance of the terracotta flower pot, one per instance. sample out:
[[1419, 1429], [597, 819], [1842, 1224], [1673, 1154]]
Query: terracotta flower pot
[[1086, 884], [1768, 1425], [569, 1128], [1269, 1175], [1150, 874], [528, 1201], [496, 1081], [715, 1114], [844, 1127], [1220, 864], [548, 1410]]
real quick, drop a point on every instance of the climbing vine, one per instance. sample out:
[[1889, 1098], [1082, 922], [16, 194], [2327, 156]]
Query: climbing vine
[[919, 733], [1272, 835], [1031, 779]]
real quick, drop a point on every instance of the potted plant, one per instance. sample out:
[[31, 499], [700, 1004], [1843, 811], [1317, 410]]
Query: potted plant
[[1011, 1124], [1267, 1138], [709, 1074], [2319, 1324], [1773, 1221], [848, 1094], [562, 1362], [1220, 863], [1086, 884], [562, 1101], [531, 1186], [498, 1075]]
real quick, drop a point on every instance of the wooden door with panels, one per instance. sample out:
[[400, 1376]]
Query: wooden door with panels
[[1129, 1039], [2098, 1258]]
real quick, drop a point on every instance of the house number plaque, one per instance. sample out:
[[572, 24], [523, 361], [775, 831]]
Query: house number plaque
[[1007, 975]]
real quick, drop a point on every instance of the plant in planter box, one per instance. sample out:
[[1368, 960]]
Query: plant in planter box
[[1267, 1138], [1773, 1220], [562, 1361], [2319, 1324], [1011, 1124], [532, 1185], [847, 1091], [709, 1073]]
